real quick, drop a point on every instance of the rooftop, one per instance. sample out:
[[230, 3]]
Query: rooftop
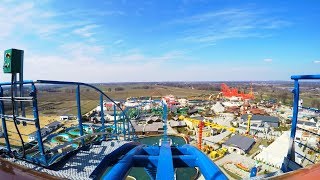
[[55, 123], [241, 142], [270, 119]]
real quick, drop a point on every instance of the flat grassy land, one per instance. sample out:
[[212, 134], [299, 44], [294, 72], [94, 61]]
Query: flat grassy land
[[63, 101], [25, 130]]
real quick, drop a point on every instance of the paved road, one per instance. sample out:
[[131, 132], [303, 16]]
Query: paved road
[[217, 138], [247, 161]]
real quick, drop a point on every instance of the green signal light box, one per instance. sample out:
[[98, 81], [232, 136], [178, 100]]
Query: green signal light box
[[12, 61]]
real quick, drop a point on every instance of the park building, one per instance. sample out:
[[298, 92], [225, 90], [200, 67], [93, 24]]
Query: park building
[[260, 119], [239, 144]]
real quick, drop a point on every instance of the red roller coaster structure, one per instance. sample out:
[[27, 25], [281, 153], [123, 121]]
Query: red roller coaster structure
[[234, 92], [201, 124]]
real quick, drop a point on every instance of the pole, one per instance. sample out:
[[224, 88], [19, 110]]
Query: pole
[[291, 150], [23, 113], [200, 135], [4, 125], [79, 112], [37, 123], [15, 94], [115, 120], [164, 118], [102, 117]]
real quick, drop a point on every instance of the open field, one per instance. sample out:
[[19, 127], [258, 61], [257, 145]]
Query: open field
[[63, 99], [25, 130], [30, 128]]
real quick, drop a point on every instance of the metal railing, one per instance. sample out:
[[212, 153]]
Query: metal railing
[[291, 162], [126, 129]]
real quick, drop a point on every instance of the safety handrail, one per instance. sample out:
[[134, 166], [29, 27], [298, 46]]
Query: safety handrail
[[290, 158], [73, 83]]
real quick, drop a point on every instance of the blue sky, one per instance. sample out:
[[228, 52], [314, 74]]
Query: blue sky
[[190, 40]]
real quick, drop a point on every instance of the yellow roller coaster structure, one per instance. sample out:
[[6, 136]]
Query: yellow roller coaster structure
[[208, 124]]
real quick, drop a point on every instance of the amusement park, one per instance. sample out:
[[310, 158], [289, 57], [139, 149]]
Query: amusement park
[[159, 90], [224, 136]]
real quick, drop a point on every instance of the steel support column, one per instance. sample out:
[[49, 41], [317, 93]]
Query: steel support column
[[164, 118], [37, 123], [102, 117], [128, 126], [124, 125], [165, 163], [4, 124], [23, 113], [79, 112], [115, 120], [291, 150]]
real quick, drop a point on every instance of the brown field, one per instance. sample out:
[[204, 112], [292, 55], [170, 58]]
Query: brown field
[[64, 100], [25, 130]]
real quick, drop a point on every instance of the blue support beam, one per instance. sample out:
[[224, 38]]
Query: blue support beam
[[208, 169], [297, 77], [115, 120], [145, 161], [79, 112], [165, 163], [152, 150], [163, 160], [128, 126], [15, 94], [152, 160], [184, 160], [37, 123], [102, 117], [23, 112], [289, 163], [165, 118], [123, 125], [291, 150], [4, 124], [121, 169]]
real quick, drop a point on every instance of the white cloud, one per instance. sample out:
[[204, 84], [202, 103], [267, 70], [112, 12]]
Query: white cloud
[[90, 66], [13, 17], [137, 57], [82, 48], [86, 31], [228, 23], [117, 42], [93, 70], [268, 60], [316, 62], [31, 19], [90, 69]]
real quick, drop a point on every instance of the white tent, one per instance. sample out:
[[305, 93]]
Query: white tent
[[274, 154]]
